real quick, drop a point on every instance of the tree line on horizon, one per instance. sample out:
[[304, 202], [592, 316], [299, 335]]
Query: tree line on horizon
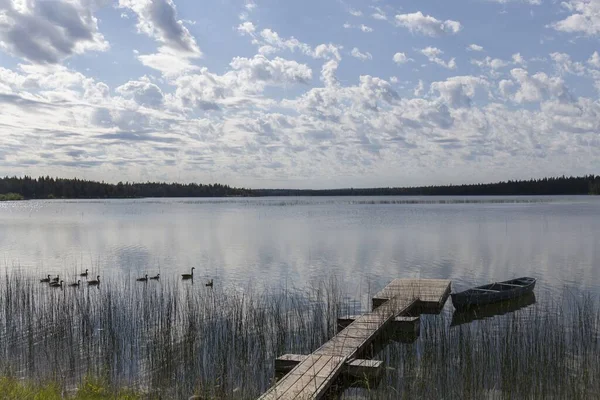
[[59, 188], [49, 188]]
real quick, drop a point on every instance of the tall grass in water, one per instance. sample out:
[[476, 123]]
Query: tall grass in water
[[541, 352], [171, 339]]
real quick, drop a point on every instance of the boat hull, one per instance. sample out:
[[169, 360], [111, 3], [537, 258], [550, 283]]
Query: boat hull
[[467, 315], [493, 293]]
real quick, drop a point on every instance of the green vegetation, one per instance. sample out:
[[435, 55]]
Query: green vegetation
[[15, 389], [172, 339], [57, 188], [11, 197], [533, 187]]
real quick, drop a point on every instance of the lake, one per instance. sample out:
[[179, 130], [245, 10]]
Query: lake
[[221, 341], [295, 241]]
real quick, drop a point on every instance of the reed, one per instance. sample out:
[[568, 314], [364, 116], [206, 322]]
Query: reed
[[172, 339]]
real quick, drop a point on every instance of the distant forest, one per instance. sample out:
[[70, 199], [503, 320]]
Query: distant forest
[[57, 188], [12, 188]]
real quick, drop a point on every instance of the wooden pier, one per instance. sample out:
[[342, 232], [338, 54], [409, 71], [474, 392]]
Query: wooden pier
[[313, 374]]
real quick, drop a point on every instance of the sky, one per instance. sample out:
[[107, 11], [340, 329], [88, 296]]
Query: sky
[[300, 94]]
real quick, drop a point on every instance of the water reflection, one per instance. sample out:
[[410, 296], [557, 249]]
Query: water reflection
[[492, 310], [292, 242]]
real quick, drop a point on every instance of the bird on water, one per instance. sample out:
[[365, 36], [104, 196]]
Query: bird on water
[[45, 280], [95, 282], [84, 274], [56, 284], [76, 284], [55, 279], [144, 279], [188, 276], [209, 283], [155, 277]]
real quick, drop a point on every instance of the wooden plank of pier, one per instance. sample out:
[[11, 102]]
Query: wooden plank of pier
[[311, 378]]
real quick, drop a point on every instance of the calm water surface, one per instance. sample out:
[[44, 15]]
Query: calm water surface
[[295, 241]]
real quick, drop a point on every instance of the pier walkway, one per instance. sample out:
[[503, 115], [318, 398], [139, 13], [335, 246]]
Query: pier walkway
[[315, 373]]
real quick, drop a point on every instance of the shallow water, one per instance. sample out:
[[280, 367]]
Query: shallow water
[[293, 241]]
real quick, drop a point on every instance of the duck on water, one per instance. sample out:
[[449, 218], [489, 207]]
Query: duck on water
[[94, 282], [188, 276]]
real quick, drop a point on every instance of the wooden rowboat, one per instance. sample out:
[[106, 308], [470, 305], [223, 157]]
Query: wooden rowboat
[[493, 292]]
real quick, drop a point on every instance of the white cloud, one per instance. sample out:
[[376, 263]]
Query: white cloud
[[518, 59], [594, 60], [419, 89], [537, 87], [328, 73], [246, 28], [239, 86], [270, 42], [242, 126], [47, 31], [584, 18], [564, 64], [158, 19], [292, 44], [361, 56], [379, 14], [427, 25], [166, 61], [490, 63], [267, 49], [474, 47], [144, 92], [327, 51], [364, 28], [459, 91], [275, 72], [400, 58], [433, 53], [355, 13]]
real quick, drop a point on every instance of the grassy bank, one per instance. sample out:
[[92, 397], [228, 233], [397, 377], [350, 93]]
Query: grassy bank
[[171, 339], [15, 389], [11, 197]]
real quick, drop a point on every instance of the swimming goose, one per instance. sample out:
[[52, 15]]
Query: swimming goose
[[55, 279], [76, 284], [188, 276], [56, 284], [209, 283], [45, 280], [84, 274], [144, 279], [155, 277], [95, 282]]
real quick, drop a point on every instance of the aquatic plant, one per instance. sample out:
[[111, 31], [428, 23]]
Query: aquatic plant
[[173, 338]]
